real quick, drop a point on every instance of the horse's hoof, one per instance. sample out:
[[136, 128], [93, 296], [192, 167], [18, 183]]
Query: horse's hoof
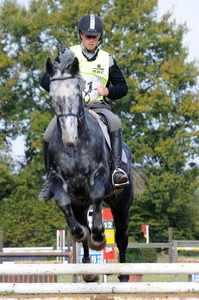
[[91, 278], [123, 278], [85, 236], [96, 245]]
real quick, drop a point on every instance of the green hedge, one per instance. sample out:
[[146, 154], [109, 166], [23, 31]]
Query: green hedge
[[150, 255], [143, 255]]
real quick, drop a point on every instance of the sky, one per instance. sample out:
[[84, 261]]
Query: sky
[[183, 11]]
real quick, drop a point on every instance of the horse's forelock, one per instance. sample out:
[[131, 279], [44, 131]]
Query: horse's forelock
[[66, 59]]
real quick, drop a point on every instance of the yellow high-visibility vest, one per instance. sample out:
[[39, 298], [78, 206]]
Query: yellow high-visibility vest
[[95, 73]]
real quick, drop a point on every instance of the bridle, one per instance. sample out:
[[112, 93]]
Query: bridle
[[69, 114], [62, 78]]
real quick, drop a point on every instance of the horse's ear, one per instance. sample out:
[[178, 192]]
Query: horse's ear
[[74, 69], [50, 70]]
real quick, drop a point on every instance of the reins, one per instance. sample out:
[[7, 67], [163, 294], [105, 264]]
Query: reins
[[24, 128]]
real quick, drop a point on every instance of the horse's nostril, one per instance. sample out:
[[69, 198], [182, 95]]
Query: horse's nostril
[[71, 144]]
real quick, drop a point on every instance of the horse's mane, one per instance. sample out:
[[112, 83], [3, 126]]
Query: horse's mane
[[66, 58]]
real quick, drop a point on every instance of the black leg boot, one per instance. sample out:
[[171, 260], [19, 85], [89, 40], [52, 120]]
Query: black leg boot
[[119, 177], [45, 193]]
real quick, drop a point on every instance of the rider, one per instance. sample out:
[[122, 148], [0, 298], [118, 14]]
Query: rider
[[103, 78]]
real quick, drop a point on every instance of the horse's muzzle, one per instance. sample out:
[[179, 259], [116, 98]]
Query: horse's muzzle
[[71, 144]]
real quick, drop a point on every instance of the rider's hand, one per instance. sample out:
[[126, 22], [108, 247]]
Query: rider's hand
[[103, 91]]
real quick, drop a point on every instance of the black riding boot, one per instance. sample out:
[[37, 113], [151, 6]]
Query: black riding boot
[[45, 193], [119, 177]]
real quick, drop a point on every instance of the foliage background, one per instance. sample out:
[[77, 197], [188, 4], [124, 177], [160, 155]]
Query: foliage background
[[159, 114]]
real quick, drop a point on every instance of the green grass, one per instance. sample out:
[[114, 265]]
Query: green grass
[[64, 278], [145, 278], [69, 278], [7, 293], [164, 278]]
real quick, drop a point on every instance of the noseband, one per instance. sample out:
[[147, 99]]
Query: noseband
[[69, 114]]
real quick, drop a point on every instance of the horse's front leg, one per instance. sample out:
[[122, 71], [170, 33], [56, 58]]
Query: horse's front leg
[[59, 188], [98, 240], [80, 213]]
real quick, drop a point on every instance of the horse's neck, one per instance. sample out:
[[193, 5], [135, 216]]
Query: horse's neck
[[84, 119], [83, 111], [85, 128]]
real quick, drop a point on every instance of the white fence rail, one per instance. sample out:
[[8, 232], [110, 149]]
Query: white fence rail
[[100, 269], [99, 287]]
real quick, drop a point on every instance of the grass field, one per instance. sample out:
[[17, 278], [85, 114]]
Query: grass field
[[145, 278], [162, 258]]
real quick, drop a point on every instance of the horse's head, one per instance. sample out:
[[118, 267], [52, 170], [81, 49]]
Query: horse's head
[[65, 92]]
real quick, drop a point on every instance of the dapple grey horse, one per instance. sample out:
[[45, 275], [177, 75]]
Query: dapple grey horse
[[79, 164]]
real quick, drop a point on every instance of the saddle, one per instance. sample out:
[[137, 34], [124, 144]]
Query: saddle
[[106, 134]]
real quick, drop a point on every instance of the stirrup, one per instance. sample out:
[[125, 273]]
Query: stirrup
[[45, 193], [122, 181]]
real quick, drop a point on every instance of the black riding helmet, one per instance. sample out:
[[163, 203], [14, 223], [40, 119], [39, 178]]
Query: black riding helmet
[[91, 25]]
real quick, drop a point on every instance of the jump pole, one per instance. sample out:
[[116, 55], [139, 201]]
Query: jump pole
[[100, 287], [36, 254], [100, 269]]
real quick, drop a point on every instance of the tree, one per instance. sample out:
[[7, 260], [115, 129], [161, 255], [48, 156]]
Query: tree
[[24, 220], [169, 201], [159, 114]]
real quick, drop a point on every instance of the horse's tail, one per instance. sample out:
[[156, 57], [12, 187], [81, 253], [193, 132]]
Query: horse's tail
[[138, 180]]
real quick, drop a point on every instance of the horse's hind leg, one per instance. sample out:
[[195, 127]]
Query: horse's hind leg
[[121, 238], [120, 210]]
